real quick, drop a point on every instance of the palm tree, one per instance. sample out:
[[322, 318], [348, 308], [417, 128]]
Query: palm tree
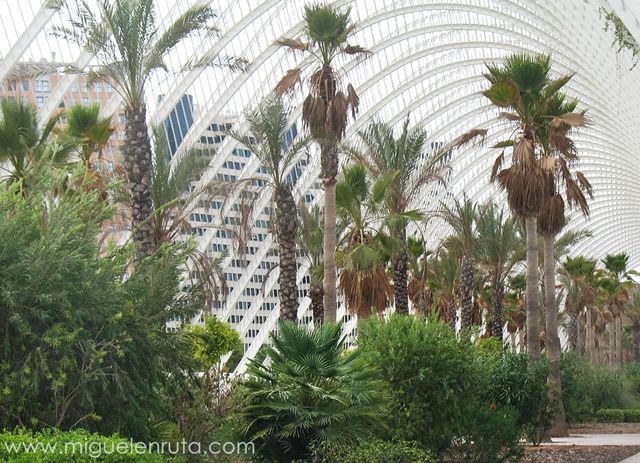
[[310, 241], [23, 145], [523, 86], [443, 277], [175, 200], [129, 46], [325, 112], [269, 125], [633, 312], [92, 131], [499, 243], [305, 389], [514, 309], [419, 292], [363, 250], [577, 277], [462, 218], [404, 157]]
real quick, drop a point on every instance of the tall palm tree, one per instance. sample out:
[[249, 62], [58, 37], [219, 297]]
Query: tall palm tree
[[174, 201], [443, 277], [419, 292], [404, 157], [268, 126], [364, 249], [633, 312], [325, 112], [129, 46], [499, 246], [310, 242], [462, 217], [23, 144], [577, 277], [522, 85]]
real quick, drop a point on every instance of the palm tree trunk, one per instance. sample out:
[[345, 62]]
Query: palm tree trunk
[[619, 335], [329, 161], [452, 314], [533, 286], [554, 381], [399, 262], [512, 335], [137, 164], [498, 322], [466, 293], [316, 292], [635, 330], [573, 331], [612, 342], [521, 340], [590, 335], [287, 223]]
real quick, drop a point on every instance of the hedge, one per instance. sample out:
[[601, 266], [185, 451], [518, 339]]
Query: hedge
[[610, 415], [53, 446]]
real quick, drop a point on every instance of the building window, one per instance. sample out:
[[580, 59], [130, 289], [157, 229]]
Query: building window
[[98, 87], [11, 85], [25, 85], [85, 100], [39, 102], [83, 86], [43, 86], [74, 87], [24, 100]]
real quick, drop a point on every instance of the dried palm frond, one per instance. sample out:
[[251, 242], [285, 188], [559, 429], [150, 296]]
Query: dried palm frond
[[338, 112], [366, 291], [571, 119], [293, 44], [551, 219], [356, 50], [289, 81], [468, 137], [353, 99], [575, 196], [509, 116], [584, 184], [523, 153]]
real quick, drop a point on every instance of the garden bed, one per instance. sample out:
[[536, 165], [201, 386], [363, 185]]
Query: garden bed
[[579, 454], [605, 428]]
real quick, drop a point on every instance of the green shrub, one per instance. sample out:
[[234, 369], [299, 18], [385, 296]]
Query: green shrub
[[632, 415], [73, 447], [492, 436], [587, 388], [305, 390], [610, 415], [372, 451], [432, 377], [511, 381]]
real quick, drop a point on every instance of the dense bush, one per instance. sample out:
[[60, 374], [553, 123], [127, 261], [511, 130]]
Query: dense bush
[[632, 415], [81, 342], [432, 377], [492, 436], [73, 447], [587, 388], [609, 415], [305, 389], [512, 381], [372, 451]]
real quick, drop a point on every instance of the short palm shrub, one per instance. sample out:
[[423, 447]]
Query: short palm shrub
[[306, 389], [53, 446], [432, 377], [372, 451]]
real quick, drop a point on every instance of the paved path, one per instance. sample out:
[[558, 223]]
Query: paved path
[[601, 439], [598, 439]]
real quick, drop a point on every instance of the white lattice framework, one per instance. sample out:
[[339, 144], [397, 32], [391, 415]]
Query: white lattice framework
[[428, 60]]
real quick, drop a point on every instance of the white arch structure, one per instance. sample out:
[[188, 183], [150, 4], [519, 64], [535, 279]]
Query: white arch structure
[[428, 60]]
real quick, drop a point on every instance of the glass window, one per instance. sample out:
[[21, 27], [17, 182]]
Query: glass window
[[11, 84], [83, 86], [98, 87], [39, 102], [25, 85], [74, 87], [85, 101], [42, 85]]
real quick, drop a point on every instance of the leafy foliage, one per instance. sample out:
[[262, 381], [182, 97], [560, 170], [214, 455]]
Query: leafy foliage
[[82, 343], [372, 451], [431, 374]]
